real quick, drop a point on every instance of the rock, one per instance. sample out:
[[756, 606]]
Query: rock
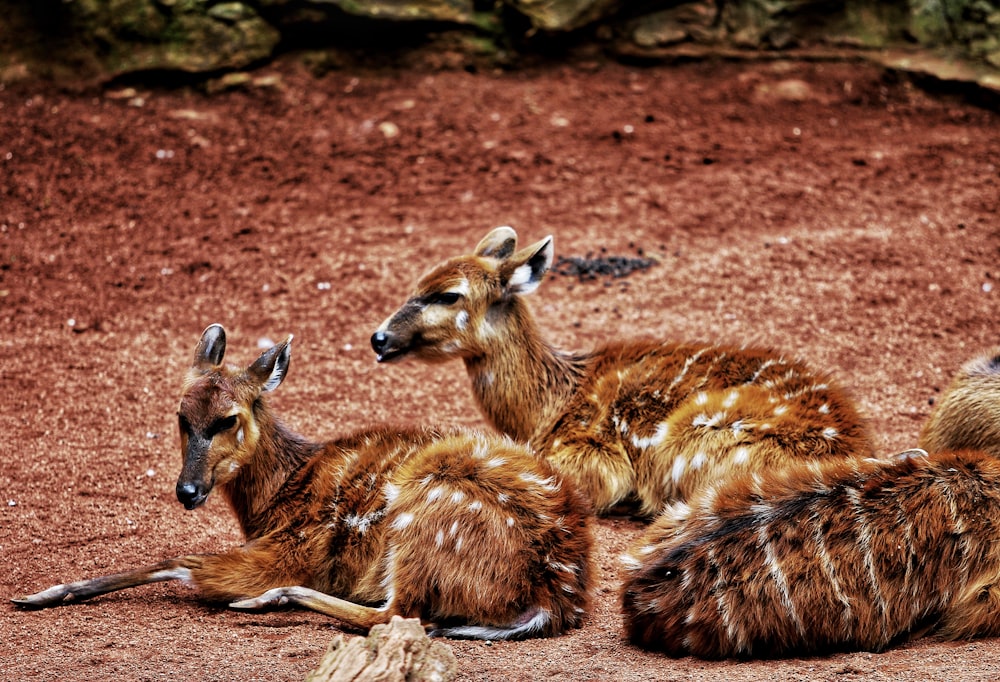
[[397, 652], [788, 90], [458, 11], [691, 21], [562, 15], [183, 36]]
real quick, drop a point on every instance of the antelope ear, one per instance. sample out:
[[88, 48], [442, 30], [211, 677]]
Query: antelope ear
[[499, 243], [270, 368], [211, 348], [526, 268]]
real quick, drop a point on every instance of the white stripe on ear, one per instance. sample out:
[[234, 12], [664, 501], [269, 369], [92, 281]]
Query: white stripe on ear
[[526, 277], [522, 282], [280, 368]]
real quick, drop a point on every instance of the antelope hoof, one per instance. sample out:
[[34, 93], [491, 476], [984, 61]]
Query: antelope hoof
[[56, 594], [274, 597]]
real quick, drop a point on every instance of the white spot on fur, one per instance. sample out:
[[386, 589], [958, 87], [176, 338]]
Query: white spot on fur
[[495, 462], [402, 521], [547, 484], [629, 562], [830, 433], [564, 568], [457, 496], [361, 523], [459, 541], [780, 410], [462, 288], [435, 493], [475, 506], [439, 538], [741, 455], [731, 399], [240, 435], [707, 421], [502, 498], [391, 492], [453, 531], [701, 398], [510, 521], [698, 461], [658, 436], [824, 408], [760, 370], [462, 320], [677, 472], [182, 574]]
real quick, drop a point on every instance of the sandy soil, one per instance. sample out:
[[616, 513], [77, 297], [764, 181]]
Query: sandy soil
[[826, 209]]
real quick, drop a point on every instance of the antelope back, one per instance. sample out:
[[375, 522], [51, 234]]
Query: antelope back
[[220, 413], [845, 554], [968, 415], [457, 309]]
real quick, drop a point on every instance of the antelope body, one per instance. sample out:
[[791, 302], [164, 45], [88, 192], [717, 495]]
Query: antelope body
[[470, 533], [833, 555], [631, 422], [968, 414]]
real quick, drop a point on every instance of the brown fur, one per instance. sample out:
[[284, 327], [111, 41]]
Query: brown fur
[[641, 421], [968, 414], [840, 554], [468, 532]]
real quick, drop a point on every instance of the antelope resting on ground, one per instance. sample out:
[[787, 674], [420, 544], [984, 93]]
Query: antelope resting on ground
[[834, 555], [639, 421], [470, 533]]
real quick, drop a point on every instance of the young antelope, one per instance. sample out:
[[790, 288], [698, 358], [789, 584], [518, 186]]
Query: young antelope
[[638, 423], [470, 533], [834, 555]]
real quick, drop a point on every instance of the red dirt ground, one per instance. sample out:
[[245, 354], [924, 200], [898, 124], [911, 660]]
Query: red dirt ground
[[827, 209]]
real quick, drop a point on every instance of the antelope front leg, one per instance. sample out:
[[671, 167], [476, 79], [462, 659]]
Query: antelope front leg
[[178, 568]]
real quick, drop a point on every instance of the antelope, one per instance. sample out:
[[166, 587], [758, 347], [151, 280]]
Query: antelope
[[821, 556], [634, 423], [471, 533], [968, 415]]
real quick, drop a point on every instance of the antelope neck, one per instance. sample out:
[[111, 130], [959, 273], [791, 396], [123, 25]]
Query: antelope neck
[[521, 381], [278, 455]]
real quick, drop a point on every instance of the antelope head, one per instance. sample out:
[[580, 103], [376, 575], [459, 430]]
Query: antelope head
[[217, 417], [461, 307]]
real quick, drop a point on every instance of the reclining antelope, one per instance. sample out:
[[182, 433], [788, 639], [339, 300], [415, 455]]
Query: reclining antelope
[[834, 555], [638, 421], [470, 533]]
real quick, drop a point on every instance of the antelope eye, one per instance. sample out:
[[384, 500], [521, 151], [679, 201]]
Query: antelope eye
[[220, 425], [446, 298]]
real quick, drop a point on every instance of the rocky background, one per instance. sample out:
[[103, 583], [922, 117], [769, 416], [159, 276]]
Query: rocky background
[[83, 41]]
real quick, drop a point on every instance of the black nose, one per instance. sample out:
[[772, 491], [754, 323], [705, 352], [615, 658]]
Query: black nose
[[380, 340], [188, 494]]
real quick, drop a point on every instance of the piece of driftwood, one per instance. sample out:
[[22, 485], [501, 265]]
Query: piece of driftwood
[[396, 652]]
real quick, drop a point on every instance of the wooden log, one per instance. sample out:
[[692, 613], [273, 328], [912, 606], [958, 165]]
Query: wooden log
[[396, 652]]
